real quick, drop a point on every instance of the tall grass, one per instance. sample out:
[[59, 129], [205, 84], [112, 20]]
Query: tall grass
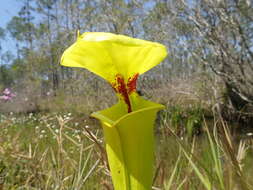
[[49, 152], [66, 152], [213, 161]]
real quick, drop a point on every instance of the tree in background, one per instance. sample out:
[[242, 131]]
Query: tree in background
[[214, 37], [224, 42], [206, 38], [5, 73]]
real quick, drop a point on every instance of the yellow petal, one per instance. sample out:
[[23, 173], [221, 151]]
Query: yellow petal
[[107, 55]]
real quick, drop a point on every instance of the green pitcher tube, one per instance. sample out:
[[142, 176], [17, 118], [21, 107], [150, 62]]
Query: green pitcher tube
[[130, 145]]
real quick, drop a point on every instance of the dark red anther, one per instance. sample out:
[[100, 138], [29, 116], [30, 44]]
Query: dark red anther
[[131, 83], [125, 89]]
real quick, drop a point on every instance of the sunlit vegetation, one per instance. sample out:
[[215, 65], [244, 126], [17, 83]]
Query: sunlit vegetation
[[64, 151]]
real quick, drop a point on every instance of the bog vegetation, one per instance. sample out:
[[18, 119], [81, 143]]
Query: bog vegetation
[[204, 137]]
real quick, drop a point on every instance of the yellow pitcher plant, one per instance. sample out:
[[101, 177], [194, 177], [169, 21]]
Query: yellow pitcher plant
[[128, 125]]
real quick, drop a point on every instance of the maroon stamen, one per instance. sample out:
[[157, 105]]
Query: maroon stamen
[[131, 83], [125, 90]]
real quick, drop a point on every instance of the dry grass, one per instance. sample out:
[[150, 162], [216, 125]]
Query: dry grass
[[64, 151]]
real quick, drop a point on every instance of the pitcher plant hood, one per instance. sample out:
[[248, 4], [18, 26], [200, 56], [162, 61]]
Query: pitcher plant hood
[[118, 59]]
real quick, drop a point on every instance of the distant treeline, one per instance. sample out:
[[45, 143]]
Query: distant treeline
[[212, 40]]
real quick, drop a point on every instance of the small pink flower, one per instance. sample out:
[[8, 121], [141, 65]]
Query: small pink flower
[[12, 95], [6, 98], [7, 95], [6, 91]]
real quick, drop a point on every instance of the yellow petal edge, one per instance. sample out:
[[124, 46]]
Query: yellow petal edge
[[107, 55]]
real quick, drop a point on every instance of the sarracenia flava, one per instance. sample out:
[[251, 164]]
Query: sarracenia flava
[[128, 125]]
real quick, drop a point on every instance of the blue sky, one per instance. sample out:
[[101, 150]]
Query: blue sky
[[8, 9]]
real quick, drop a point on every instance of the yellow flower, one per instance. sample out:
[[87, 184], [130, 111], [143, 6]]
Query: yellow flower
[[116, 58], [128, 125]]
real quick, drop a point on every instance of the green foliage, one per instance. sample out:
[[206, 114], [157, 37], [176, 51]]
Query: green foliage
[[19, 28], [6, 76], [43, 152], [2, 33], [187, 120], [62, 151]]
